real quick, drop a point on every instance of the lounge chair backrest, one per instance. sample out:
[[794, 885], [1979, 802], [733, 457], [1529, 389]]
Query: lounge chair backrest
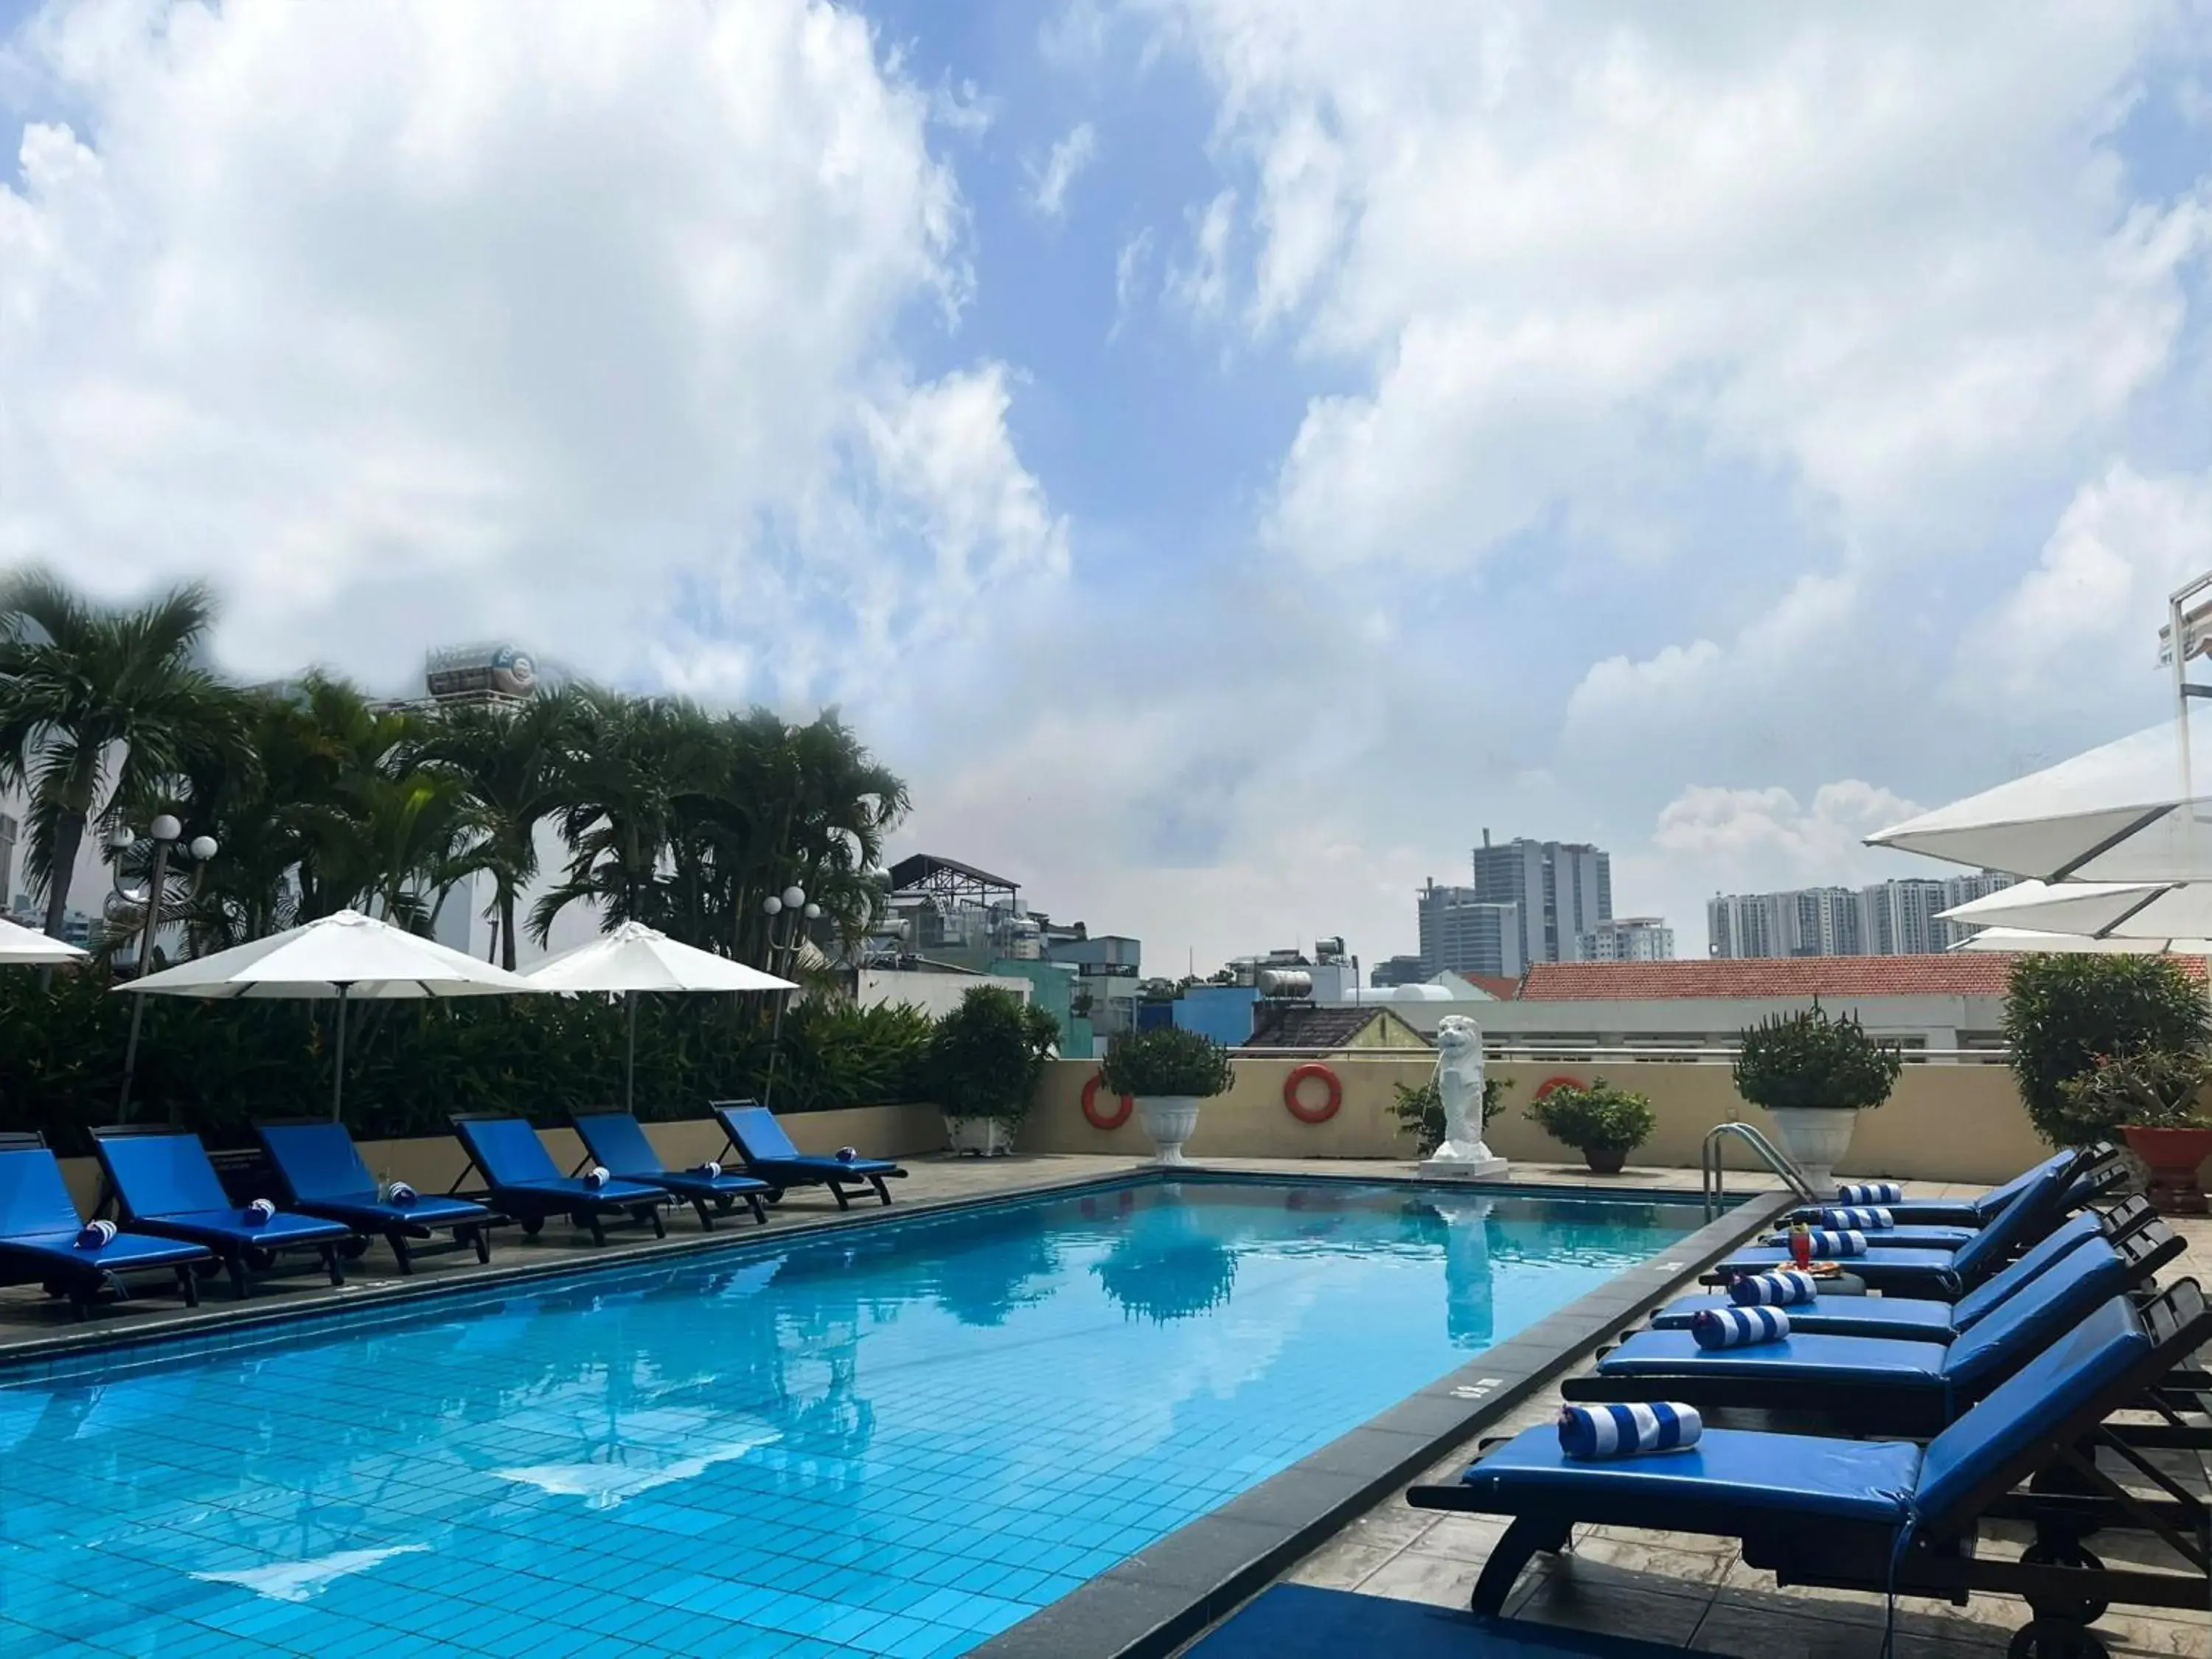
[[1997, 1197], [617, 1140], [506, 1149], [2035, 1317], [2016, 1224], [34, 1197], [2026, 1409], [317, 1161], [755, 1130], [162, 1175], [2061, 1241]]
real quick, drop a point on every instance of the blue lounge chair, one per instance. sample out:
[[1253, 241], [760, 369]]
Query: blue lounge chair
[[2132, 1229], [320, 1171], [1883, 1385], [1303, 1621], [618, 1142], [38, 1230], [1945, 1275], [1889, 1515], [522, 1180], [759, 1139], [2098, 1163], [164, 1184]]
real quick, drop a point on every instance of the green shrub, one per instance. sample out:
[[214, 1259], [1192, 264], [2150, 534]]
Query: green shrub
[[1420, 1111], [1167, 1060], [2157, 1089], [214, 1068], [1810, 1060], [2064, 1015], [1599, 1118], [989, 1054]]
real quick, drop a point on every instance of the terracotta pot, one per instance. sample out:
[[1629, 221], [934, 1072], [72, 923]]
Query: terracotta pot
[[2174, 1156], [1609, 1161]]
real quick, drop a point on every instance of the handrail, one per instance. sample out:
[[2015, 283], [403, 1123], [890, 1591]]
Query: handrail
[[1710, 1164], [1571, 1053]]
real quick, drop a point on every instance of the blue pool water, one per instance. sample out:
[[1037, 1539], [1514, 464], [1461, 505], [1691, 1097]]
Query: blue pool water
[[898, 1440]]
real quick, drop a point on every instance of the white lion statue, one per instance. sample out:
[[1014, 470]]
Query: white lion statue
[[1459, 1086]]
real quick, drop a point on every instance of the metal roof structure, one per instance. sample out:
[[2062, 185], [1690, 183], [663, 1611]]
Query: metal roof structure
[[948, 881]]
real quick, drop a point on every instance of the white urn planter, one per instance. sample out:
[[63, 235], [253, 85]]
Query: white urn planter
[[1170, 1119], [980, 1137], [1814, 1139]]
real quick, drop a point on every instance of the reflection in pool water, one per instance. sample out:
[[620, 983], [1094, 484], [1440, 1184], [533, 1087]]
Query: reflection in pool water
[[897, 1440]]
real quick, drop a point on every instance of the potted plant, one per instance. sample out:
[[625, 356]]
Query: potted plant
[[2154, 1097], [985, 1059], [2066, 1015], [1813, 1075], [1168, 1071], [1603, 1123]]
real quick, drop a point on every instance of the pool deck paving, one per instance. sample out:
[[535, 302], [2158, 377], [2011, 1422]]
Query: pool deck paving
[[1669, 1588]]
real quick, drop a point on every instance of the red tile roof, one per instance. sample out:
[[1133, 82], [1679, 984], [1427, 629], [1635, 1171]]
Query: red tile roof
[[1503, 989], [1955, 976]]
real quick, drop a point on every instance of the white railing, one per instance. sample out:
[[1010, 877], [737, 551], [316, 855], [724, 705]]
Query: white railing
[[1606, 1054]]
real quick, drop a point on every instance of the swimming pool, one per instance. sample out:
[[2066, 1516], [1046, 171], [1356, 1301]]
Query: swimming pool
[[897, 1439]]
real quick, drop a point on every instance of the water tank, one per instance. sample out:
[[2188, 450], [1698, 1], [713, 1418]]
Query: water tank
[[1284, 982]]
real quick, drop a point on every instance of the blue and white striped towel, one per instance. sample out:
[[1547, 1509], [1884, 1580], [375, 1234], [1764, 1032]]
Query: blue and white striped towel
[[1868, 1218], [1601, 1431], [1786, 1289], [260, 1212], [399, 1192], [711, 1169], [1870, 1192], [1828, 1243], [1739, 1327], [848, 1155], [597, 1176], [96, 1235]]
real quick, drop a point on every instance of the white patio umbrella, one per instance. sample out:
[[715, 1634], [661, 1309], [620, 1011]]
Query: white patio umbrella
[[2097, 910], [2020, 941], [347, 956], [2134, 811], [29, 946], [634, 958]]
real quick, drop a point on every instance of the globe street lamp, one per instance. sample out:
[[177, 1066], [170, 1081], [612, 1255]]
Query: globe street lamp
[[164, 832], [793, 898]]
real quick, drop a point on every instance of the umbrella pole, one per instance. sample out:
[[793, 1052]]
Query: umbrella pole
[[630, 1064], [337, 1072]]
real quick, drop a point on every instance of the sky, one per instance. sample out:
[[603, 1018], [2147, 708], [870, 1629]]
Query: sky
[[1225, 454]]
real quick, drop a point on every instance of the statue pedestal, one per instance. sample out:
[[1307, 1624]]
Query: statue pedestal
[[1461, 1169]]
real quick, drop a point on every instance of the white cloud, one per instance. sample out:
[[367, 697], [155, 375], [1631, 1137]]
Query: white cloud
[[1131, 267], [2096, 598], [1048, 185], [1202, 285], [1767, 826], [1552, 247], [402, 323]]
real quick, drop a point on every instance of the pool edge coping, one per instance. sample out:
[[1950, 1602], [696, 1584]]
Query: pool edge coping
[[1168, 1593]]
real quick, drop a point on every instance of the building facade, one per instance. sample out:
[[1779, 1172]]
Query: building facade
[[1462, 932], [1562, 889], [1627, 938], [1397, 970], [1895, 917]]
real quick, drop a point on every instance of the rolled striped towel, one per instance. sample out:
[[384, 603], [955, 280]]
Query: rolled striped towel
[[597, 1176], [1870, 1192], [1867, 1219], [848, 1154], [1601, 1432], [1786, 1289], [1829, 1243], [399, 1192], [96, 1234], [1739, 1327], [711, 1169], [260, 1212]]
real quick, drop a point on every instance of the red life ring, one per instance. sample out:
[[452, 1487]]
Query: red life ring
[[1090, 1106], [1304, 1113], [1551, 1083]]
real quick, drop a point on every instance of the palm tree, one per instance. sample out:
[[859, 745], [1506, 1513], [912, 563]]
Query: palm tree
[[514, 768], [100, 707]]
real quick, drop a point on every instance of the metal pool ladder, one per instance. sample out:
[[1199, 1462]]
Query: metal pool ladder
[[1769, 1153]]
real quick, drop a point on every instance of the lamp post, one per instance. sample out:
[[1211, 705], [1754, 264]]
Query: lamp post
[[793, 898], [163, 833]]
